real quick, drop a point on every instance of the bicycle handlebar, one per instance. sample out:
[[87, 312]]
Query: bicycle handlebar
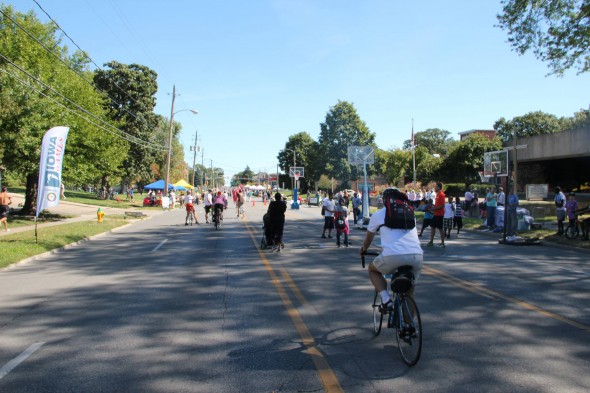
[[363, 257]]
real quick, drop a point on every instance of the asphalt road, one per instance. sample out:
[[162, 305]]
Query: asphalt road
[[161, 307]]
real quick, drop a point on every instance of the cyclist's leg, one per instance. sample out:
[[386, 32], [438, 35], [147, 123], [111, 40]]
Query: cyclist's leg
[[378, 281]]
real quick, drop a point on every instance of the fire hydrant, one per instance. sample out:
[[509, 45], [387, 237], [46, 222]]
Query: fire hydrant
[[99, 215]]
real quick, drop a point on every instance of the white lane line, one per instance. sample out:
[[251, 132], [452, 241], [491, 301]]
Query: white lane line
[[159, 245], [8, 367]]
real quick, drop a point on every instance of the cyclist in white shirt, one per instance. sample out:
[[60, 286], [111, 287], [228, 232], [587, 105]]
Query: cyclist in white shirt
[[190, 208]]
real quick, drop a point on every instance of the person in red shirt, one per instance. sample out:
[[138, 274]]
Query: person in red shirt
[[439, 211]]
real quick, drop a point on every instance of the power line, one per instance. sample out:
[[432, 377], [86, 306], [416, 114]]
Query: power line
[[90, 83], [121, 134]]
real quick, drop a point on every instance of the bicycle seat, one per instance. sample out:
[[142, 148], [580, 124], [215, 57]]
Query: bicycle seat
[[402, 280]]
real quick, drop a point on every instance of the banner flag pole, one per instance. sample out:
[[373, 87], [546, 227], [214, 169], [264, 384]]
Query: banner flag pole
[[50, 165]]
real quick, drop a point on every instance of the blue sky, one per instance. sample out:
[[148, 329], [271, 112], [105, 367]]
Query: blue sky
[[259, 71]]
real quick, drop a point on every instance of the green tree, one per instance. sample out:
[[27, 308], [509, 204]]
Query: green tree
[[42, 97], [395, 164], [435, 140], [427, 165], [463, 163], [341, 128], [324, 183], [556, 31], [533, 123], [581, 119], [244, 177], [130, 100], [305, 156]]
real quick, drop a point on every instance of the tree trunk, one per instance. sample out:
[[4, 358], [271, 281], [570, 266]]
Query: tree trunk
[[30, 206]]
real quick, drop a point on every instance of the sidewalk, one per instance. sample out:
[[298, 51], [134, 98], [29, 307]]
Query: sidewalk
[[78, 211]]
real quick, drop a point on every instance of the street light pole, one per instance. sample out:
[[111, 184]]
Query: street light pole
[[172, 113]]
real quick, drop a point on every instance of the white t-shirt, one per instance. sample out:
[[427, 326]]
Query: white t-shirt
[[560, 197], [328, 204], [394, 241], [188, 199], [449, 210], [468, 196], [208, 200]]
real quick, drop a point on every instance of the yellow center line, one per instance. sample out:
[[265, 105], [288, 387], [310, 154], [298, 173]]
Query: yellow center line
[[481, 290], [325, 372]]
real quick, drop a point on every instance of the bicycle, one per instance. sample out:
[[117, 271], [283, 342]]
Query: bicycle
[[190, 218], [217, 218], [405, 316], [574, 228]]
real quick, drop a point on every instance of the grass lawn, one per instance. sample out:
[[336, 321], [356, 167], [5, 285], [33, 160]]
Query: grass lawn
[[18, 246]]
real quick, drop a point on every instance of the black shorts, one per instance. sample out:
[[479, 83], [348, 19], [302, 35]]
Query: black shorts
[[437, 222], [458, 222], [4, 209], [328, 222]]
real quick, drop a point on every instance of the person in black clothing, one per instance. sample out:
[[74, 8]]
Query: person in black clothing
[[276, 214]]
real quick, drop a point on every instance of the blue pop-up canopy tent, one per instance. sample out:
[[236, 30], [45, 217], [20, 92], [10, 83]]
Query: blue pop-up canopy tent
[[158, 185]]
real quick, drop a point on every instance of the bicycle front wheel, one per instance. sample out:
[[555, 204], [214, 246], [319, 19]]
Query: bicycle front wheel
[[377, 315], [409, 338]]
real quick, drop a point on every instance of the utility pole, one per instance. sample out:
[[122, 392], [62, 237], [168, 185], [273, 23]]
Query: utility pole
[[202, 168], [195, 156], [212, 178], [169, 143]]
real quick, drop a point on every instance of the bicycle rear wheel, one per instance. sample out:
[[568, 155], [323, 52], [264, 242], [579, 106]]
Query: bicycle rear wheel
[[572, 231], [409, 338], [377, 315]]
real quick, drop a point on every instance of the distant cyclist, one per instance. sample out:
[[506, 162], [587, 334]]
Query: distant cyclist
[[219, 204], [190, 207]]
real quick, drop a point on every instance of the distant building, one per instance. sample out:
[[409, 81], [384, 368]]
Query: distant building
[[490, 134]]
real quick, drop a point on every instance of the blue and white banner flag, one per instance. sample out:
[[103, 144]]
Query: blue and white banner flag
[[52, 156]]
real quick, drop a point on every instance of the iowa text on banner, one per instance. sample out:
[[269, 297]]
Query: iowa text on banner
[[52, 156]]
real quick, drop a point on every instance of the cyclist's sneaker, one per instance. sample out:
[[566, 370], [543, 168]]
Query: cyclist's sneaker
[[186, 223], [429, 244], [323, 236], [282, 245], [441, 245], [385, 308]]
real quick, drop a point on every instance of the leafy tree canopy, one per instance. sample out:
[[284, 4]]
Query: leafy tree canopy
[[243, 177], [533, 123], [341, 128], [466, 159], [302, 149], [435, 140], [556, 31]]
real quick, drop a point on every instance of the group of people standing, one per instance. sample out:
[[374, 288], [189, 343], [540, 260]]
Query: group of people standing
[[336, 209]]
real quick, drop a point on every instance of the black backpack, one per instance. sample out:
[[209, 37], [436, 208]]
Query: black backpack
[[399, 214], [339, 223]]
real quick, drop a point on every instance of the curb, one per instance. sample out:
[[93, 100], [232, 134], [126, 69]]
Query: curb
[[67, 246]]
